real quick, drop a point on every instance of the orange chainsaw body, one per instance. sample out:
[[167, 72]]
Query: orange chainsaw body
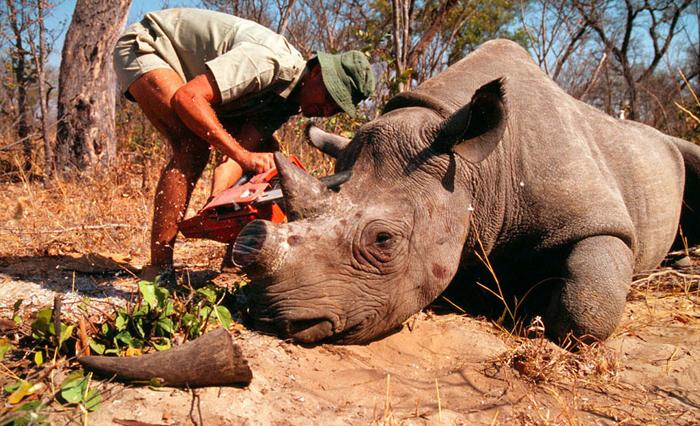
[[223, 218]]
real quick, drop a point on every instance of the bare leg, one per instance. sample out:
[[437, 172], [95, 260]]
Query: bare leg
[[227, 171], [226, 174], [153, 92]]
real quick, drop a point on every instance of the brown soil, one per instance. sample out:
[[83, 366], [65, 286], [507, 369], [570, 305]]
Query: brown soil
[[439, 369]]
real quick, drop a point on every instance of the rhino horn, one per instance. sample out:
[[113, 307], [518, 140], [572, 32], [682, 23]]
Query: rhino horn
[[260, 248], [210, 360], [328, 143], [304, 195]]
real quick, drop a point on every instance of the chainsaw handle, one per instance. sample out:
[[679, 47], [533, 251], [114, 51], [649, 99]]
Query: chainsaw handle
[[334, 181], [245, 178]]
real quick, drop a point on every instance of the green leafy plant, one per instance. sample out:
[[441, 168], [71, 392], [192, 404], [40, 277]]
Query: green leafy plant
[[158, 316], [44, 335], [21, 389], [26, 409], [76, 389], [5, 346], [151, 323], [29, 413], [15, 311]]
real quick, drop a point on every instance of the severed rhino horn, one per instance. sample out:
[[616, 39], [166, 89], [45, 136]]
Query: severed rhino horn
[[260, 248], [328, 143], [304, 195], [210, 360]]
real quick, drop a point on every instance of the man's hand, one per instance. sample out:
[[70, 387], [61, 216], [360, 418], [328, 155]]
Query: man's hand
[[258, 162]]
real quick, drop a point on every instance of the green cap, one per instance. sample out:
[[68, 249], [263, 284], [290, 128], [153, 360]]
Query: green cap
[[348, 77]]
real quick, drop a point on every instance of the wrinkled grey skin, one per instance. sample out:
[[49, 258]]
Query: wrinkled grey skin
[[561, 196]]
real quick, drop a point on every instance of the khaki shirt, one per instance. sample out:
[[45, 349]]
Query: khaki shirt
[[255, 68]]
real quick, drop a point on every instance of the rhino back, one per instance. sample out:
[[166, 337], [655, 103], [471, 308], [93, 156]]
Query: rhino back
[[566, 171]]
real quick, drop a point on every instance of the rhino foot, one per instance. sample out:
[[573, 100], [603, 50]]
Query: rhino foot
[[596, 279]]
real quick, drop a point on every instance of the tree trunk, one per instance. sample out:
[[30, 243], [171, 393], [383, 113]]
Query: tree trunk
[[22, 79], [86, 95]]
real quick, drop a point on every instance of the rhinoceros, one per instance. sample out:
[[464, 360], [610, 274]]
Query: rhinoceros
[[490, 162]]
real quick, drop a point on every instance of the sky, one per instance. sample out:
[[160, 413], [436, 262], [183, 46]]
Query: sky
[[61, 15]]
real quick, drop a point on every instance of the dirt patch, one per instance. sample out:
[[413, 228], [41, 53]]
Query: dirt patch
[[438, 369]]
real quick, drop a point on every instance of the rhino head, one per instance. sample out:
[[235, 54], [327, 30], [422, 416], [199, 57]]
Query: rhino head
[[352, 265]]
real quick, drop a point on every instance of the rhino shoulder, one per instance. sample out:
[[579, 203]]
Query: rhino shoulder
[[506, 49]]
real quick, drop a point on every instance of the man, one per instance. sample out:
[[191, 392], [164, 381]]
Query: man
[[206, 79]]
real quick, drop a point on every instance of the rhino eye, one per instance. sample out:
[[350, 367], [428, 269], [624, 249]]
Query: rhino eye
[[383, 239], [380, 243]]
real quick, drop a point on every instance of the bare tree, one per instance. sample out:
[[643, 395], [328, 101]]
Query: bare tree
[[85, 136], [554, 32], [264, 12], [401, 26], [428, 36], [615, 25], [260, 11], [29, 42], [39, 54], [285, 11], [18, 21]]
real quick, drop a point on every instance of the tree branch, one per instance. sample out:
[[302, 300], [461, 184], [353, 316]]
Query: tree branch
[[659, 53], [430, 32]]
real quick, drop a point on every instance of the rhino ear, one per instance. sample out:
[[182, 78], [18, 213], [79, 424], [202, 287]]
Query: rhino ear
[[475, 130], [328, 143]]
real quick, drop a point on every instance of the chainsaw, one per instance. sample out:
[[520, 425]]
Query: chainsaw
[[252, 197]]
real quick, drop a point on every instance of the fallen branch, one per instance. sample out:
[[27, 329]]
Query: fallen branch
[[82, 344], [210, 360], [666, 272], [56, 315], [78, 228]]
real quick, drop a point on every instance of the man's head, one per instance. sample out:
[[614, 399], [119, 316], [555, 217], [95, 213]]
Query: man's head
[[335, 83]]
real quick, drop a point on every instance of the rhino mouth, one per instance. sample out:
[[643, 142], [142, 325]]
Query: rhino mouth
[[307, 331], [301, 331]]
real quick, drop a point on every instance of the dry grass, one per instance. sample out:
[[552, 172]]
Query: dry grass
[[539, 361], [563, 386], [668, 281], [109, 212]]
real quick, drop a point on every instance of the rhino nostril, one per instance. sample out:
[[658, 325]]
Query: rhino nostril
[[249, 244]]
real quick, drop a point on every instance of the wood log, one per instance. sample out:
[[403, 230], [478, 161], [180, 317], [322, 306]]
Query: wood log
[[210, 360]]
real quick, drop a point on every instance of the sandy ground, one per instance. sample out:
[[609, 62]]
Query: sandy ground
[[439, 369]]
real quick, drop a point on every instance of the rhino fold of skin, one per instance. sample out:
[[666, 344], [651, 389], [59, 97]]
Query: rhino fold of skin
[[490, 155]]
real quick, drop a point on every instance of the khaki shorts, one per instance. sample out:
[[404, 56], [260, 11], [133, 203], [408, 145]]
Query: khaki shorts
[[134, 56]]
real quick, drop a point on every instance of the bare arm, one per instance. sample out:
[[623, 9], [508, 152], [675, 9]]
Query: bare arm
[[193, 104]]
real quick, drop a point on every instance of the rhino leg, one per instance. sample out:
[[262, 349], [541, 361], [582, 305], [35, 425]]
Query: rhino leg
[[690, 214], [597, 276]]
